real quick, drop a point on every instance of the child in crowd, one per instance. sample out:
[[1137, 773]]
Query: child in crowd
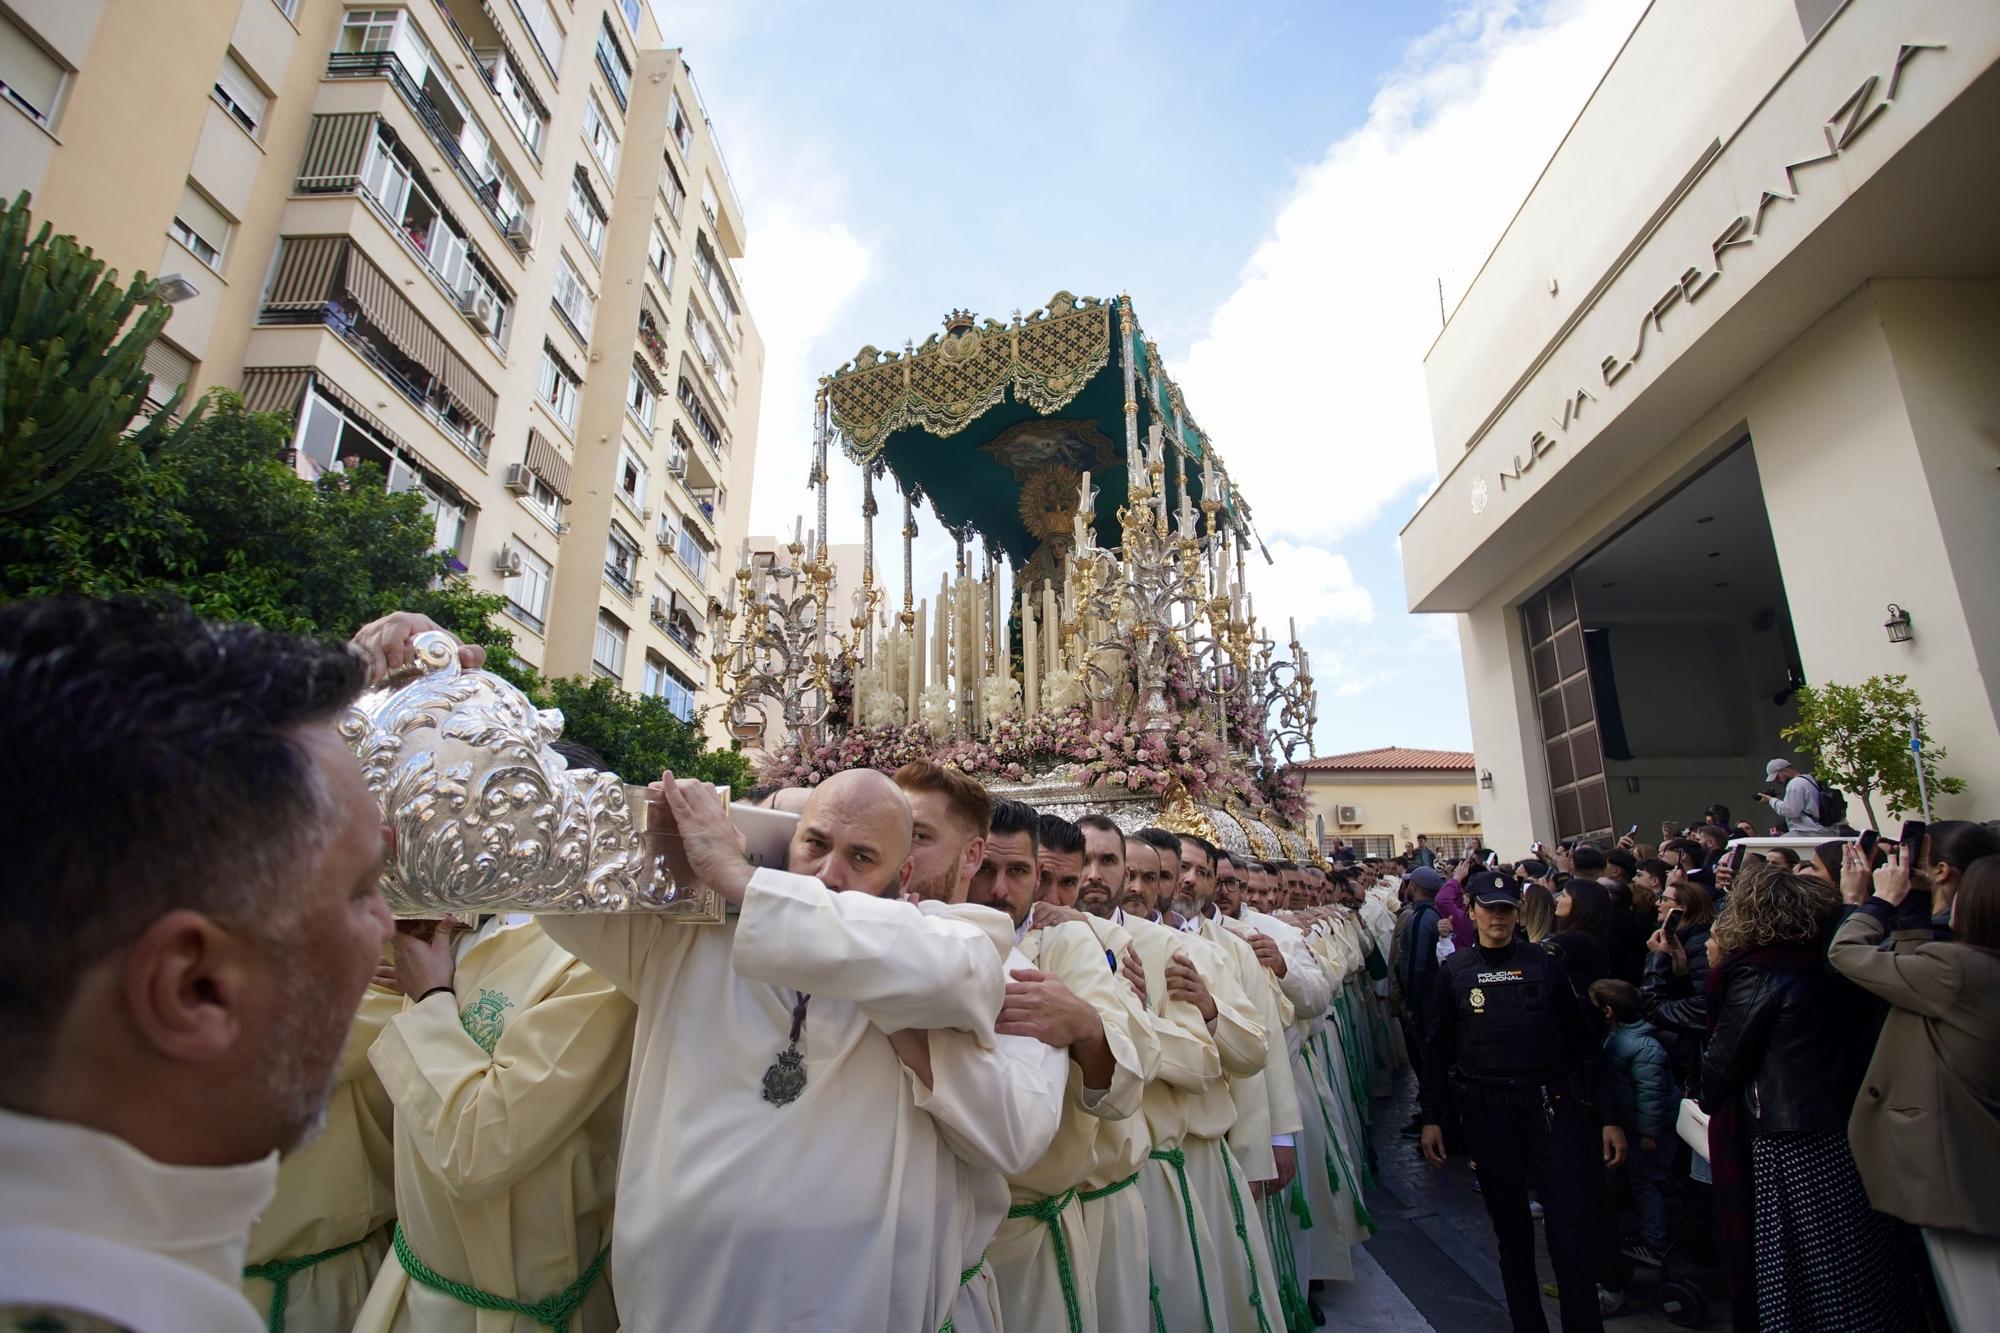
[[1648, 1099]]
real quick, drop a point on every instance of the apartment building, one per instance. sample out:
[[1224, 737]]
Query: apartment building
[[484, 244]]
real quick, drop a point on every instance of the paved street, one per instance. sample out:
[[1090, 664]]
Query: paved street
[[1433, 1265]]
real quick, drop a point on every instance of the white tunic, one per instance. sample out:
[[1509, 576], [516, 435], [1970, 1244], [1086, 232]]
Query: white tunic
[[839, 1210], [94, 1226]]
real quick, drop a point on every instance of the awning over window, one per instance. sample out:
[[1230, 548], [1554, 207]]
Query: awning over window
[[469, 391], [335, 150], [545, 462], [274, 388], [308, 271], [351, 405], [391, 313]]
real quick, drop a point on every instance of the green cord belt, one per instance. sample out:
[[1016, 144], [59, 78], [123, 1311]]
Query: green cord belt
[[552, 1313], [1092, 1196], [963, 1278], [1298, 1311], [1177, 1159], [1049, 1213], [280, 1272], [1243, 1234]]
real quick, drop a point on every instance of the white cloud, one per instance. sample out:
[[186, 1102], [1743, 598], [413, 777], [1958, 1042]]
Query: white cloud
[[1318, 354], [1309, 584]]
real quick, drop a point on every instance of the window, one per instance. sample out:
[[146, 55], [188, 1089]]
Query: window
[[691, 553], [289, 8], [200, 226], [450, 520], [631, 8], [367, 30], [171, 369], [632, 480], [611, 59], [671, 188], [663, 682], [642, 400], [573, 298], [621, 561], [708, 345], [542, 498], [510, 86], [704, 421], [240, 96], [557, 386], [608, 653], [528, 591], [30, 78], [660, 257], [598, 134], [708, 200], [586, 213], [709, 269], [678, 123], [542, 27]]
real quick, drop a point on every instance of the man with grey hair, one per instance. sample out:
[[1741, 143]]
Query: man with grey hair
[[779, 1121]]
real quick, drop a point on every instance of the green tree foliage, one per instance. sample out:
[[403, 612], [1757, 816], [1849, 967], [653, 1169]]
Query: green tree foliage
[[1859, 740], [71, 362], [217, 518], [638, 735]]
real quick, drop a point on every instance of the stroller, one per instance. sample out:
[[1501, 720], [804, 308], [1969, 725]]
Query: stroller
[[1687, 1274]]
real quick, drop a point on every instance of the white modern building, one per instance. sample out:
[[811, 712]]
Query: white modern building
[[1726, 389]]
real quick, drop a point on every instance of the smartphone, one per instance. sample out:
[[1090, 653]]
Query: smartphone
[[1869, 837], [1736, 857], [1914, 833], [1632, 832], [1673, 922]]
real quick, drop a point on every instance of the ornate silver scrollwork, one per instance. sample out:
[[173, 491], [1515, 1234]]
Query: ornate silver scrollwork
[[486, 816]]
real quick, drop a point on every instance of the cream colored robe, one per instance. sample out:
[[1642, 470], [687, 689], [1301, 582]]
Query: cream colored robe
[[507, 1126], [1188, 1107], [338, 1189], [94, 1227], [1267, 1105], [1023, 1253], [840, 1210]]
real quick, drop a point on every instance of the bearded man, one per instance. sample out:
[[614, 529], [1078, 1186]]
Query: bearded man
[[193, 912]]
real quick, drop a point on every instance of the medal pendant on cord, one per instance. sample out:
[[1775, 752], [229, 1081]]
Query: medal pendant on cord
[[786, 1078]]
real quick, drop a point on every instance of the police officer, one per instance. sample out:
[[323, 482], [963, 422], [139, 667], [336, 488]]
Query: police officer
[[1510, 1041]]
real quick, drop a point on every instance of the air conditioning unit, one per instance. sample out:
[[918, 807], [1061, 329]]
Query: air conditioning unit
[[1349, 815], [677, 462], [508, 561], [1465, 814], [519, 479], [476, 304], [521, 234], [659, 610], [666, 537], [646, 514]]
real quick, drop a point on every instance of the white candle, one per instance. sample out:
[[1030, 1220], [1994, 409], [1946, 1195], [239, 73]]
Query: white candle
[[1053, 647], [1030, 677], [917, 646]]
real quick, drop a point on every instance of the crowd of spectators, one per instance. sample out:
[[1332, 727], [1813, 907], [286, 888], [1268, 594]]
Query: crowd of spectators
[[1808, 1033]]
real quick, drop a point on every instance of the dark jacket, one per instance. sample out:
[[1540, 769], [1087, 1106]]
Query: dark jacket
[[1648, 1096], [1676, 1004], [1416, 957], [1926, 1127], [1778, 1045], [1581, 956]]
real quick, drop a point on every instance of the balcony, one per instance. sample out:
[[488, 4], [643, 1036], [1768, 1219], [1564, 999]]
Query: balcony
[[618, 577], [384, 360], [387, 65]]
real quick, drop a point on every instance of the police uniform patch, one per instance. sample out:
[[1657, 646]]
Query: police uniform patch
[[1478, 998]]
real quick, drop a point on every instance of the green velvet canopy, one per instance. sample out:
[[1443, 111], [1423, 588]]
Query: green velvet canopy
[[989, 421]]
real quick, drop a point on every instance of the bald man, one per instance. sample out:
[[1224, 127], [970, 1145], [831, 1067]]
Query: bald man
[[777, 1171]]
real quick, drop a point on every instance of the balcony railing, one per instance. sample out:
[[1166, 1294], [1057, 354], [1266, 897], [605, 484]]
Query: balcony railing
[[387, 65], [618, 578], [354, 334]]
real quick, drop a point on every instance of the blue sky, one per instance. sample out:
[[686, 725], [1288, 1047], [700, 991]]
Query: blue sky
[[1281, 187]]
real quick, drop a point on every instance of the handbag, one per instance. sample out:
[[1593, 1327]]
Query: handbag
[[1692, 1125]]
